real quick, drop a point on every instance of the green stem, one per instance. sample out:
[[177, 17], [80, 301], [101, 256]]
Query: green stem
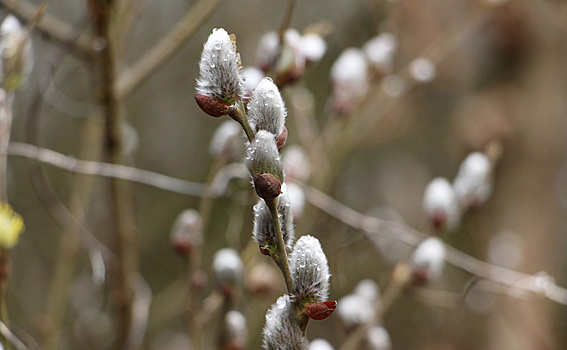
[[281, 257], [238, 113]]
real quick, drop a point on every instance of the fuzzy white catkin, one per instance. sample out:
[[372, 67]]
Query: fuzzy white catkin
[[380, 51], [227, 139], [219, 68], [422, 70], [368, 289], [267, 51], [355, 309], [264, 232], [266, 109], [252, 77], [429, 258], [16, 69], [188, 227], [281, 331], [296, 163], [262, 156], [473, 184], [309, 270], [312, 47], [296, 197], [227, 267], [320, 344], [236, 328], [440, 201], [378, 338], [349, 76]]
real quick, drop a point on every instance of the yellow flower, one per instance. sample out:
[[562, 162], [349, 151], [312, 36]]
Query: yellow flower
[[11, 226]]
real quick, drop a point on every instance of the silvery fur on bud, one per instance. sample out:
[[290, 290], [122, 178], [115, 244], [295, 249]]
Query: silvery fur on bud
[[219, 68], [320, 344], [16, 54], [263, 232], [473, 183], [227, 267], [236, 330], [441, 204], [227, 140], [266, 109], [187, 231], [428, 260], [368, 289], [309, 270], [380, 51], [377, 338], [262, 156], [281, 331], [349, 76], [355, 309]]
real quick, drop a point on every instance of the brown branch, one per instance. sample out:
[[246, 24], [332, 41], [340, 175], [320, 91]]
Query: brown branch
[[370, 226], [166, 48], [115, 171], [50, 26]]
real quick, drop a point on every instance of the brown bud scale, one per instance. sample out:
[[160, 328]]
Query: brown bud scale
[[212, 106], [267, 186]]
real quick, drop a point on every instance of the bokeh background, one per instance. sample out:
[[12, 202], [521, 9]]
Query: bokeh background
[[503, 75]]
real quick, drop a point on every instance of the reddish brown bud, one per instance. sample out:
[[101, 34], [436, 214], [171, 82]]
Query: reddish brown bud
[[264, 250], [282, 139], [321, 311], [267, 186], [212, 106]]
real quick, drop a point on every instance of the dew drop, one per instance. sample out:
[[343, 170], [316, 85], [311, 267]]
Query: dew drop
[[281, 303], [213, 65], [217, 45], [270, 94]]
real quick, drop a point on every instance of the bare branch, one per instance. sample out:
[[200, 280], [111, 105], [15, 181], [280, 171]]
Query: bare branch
[[539, 284], [166, 48], [145, 177], [53, 28]]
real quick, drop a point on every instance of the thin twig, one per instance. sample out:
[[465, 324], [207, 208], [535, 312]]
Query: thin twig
[[166, 48], [53, 28], [116, 171], [286, 20], [370, 226]]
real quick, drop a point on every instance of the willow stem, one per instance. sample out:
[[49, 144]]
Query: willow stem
[[281, 257], [238, 113], [4, 276]]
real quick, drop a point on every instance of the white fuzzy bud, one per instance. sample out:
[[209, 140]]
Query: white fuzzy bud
[[281, 331], [349, 76], [264, 233], [422, 70], [227, 268], [368, 289], [320, 344], [380, 51], [355, 309], [187, 231], [262, 156], [296, 197], [267, 51], [296, 163], [16, 53], [312, 47], [428, 260], [377, 338], [219, 68], [252, 77], [473, 184], [236, 330], [309, 270], [266, 109], [441, 204], [227, 140]]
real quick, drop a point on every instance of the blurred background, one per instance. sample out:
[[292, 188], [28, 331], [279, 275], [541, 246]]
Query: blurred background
[[500, 74]]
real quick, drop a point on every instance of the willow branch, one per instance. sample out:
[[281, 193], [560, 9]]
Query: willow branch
[[166, 48], [50, 26], [115, 171], [370, 226]]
